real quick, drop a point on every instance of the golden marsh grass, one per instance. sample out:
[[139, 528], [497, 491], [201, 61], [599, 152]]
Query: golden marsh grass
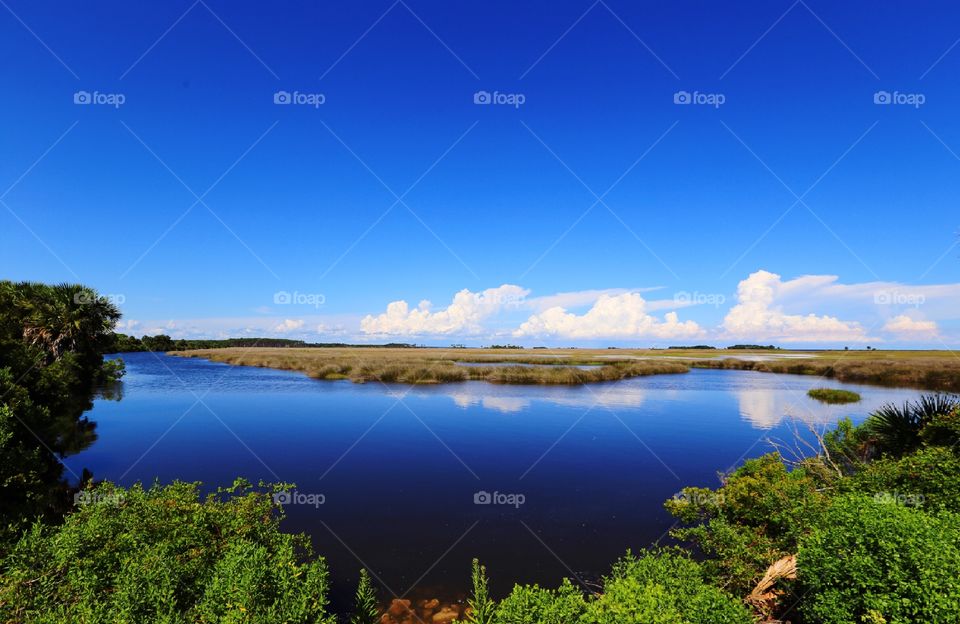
[[930, 370]]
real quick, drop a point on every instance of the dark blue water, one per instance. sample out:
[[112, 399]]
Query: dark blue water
[[398, 468]]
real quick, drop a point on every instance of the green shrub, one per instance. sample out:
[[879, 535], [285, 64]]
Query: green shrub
[[164, 555], [755, 519], [873, 561], [943, 429], [665, 587], [929, 478], [531, 604], [660, 587]]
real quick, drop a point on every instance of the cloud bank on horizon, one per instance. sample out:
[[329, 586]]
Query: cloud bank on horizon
[[806, 310]]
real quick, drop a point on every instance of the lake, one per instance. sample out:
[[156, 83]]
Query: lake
[[539, 482]]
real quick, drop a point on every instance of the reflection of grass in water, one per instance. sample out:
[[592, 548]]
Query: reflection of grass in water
[[424, 367], [831, 395]]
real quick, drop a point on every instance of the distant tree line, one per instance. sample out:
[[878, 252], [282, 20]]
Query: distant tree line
[[123, 343]]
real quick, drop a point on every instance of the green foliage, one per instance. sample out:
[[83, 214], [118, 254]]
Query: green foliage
[[532, 604], [163, 554], [902, 473], [661, 587], [482, 607], [665, 587], [833, 396], [52, 340], [943, 429], [365, 609], [755, 519], [929, 478], [873, 561], [847, 445]]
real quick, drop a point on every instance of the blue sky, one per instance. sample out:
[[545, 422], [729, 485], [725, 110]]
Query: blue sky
[[782, 204]]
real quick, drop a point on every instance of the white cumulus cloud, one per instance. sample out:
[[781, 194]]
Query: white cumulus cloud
[[464, 314], [288, 325], [759, 315], [612, 316], [905, 326]]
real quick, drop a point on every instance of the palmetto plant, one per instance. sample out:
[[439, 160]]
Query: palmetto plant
[[895, 430]]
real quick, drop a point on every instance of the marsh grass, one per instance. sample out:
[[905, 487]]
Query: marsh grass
[[928, 370], [833, 396], [424, 367], [913, 372]]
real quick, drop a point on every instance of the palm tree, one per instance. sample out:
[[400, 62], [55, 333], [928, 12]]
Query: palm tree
[[65, 317]]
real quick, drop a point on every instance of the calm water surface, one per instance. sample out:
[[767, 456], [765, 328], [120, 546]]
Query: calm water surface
[[399, 468]]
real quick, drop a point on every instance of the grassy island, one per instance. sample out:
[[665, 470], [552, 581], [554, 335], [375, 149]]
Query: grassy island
[[832, 395]]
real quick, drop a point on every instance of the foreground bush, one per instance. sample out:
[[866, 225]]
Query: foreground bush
[[163, 554], [531, 603], [881, 562], [661, 587], [756, 518], [929, 478]]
